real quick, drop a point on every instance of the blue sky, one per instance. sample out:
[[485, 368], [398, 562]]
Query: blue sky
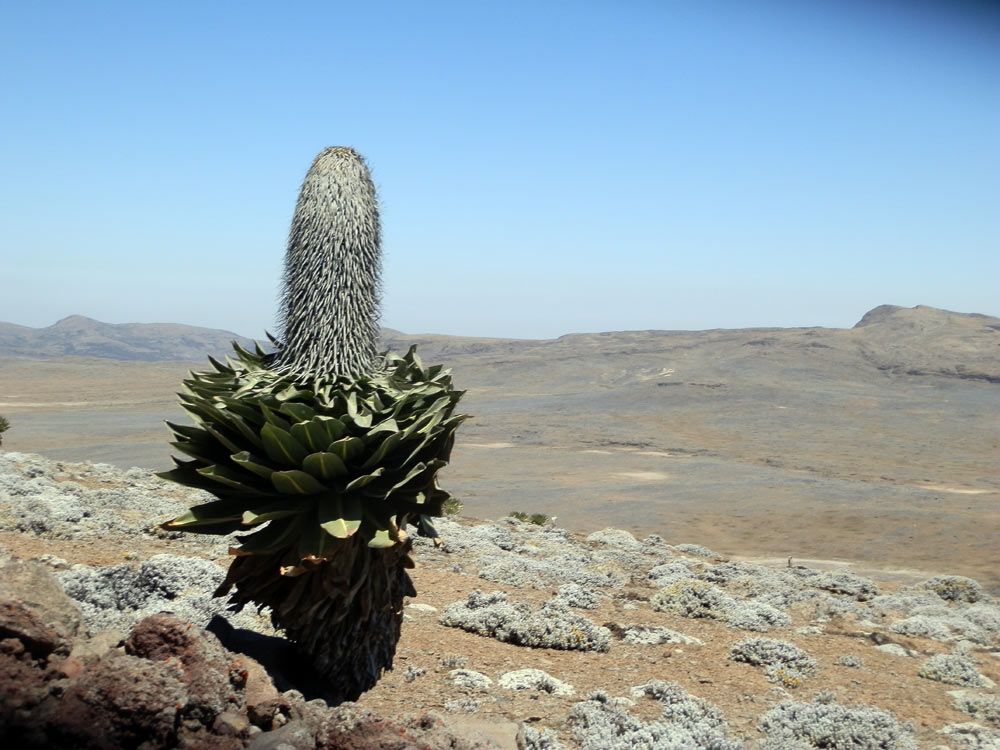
[[543, 167]]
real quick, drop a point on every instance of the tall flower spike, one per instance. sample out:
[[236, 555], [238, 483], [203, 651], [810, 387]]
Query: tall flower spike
[[331, 283]]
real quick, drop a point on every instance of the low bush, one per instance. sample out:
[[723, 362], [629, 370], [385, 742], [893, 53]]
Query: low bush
[[691, 597], [955, 588], [554, 626], [832, 726], [535, 680], [952, 669], [982, 706], [604, 723], [783, 663]]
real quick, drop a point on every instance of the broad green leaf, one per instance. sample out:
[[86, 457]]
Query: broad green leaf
[[382, 539], [298, 412], [276, 535], [416, 471], [247, 461], [318, 433], [335, 429], [442, 439], [414, 359], [186, 431], [281, 446], [293, 392], [243, 409], [205, 454], [363, 420], [386, 425], [184, 476], [365, 479], [295, 482], [219, 366], [324, 465], [274, 510], [272, 417], [221, 437], [339, 516], [233, 479], [312, 540], [208, 513], [386, 447], [352, 404], [348, 448]]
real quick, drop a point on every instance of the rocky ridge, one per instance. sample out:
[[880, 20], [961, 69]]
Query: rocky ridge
[[522, 635], [79, 336]]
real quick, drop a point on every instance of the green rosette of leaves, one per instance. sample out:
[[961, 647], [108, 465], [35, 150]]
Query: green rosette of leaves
[[303, 465]]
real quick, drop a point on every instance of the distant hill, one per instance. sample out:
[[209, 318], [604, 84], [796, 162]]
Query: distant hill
[[927, 341], [904, 341], [77, 336]]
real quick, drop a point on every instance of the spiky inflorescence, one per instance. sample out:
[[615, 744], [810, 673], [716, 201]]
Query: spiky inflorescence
[[330, 297]]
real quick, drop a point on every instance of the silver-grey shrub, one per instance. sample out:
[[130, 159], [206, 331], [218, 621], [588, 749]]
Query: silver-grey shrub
[[695, 549], [553, 626], [955, 588], [669, 572], [118, 596], [654, 635], [850, 660], [948, 627], [839, 582], [690, 597], [982, 706], [952, 669], [541, 738], [783, 662], [512, 570], [794, 725], [604, 723], [575, 595], [535, 680]]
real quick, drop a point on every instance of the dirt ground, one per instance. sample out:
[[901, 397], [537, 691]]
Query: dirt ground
[[428, 650]]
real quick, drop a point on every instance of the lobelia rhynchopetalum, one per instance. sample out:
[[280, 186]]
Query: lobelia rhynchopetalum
[[324, 452]]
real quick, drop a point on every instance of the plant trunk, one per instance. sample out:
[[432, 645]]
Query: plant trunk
[[344, 613]]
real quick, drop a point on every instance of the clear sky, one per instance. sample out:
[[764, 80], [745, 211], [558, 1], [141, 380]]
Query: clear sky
[[543, 167]]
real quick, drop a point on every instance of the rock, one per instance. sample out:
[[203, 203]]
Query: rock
[[293, 736], [506, 735], [351, 727], [96, 646], [231, 724], [122, 701], [40, 639], [213, 679], [32, 585]]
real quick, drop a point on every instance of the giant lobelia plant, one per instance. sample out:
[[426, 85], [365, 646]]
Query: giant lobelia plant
[[322, 453]]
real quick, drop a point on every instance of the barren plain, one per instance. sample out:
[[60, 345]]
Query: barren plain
[[875, 446]]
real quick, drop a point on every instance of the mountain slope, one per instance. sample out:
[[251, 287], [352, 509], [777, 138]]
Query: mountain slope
[[78, 336], [909, 341]]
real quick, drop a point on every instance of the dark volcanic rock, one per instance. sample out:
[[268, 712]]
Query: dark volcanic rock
[[213, 678], [171, 684], [121, 701]]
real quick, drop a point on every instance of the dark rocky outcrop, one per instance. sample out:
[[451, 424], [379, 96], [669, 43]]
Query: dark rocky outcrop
[[168, 684]]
